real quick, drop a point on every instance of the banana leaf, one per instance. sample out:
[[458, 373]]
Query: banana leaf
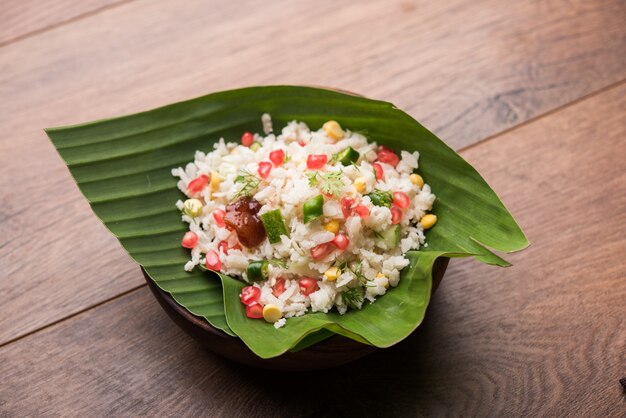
[[122, 166]]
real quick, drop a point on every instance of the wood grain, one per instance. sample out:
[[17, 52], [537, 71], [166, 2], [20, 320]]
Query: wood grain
[[28, 17], [466, 69], [543, 338]]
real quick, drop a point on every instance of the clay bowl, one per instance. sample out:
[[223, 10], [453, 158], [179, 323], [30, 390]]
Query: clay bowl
[[332, 352]]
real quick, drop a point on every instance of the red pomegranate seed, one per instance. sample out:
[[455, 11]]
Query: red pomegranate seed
[[307, 285], [190, 240], [378, 169], [264, 169], [341, 241], [247, 139], [320, 251], [301, 143], [279, 287], [196, 185], [218, 215], [396, 215], [213, 261], [401, 200], [316, 161], [346, 206], [386, 155], [254, 311], [250, 295], [277, 157], [362, 210], [223, 247]]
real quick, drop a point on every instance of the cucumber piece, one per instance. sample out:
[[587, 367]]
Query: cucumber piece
[[348, 156], [274, 225], [391, 237]]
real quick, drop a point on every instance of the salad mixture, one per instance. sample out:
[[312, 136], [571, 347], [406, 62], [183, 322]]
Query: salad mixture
[[311, 220]]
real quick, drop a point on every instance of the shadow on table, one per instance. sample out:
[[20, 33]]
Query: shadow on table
[[398, 380]]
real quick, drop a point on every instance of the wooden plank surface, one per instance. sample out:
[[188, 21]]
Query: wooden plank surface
[[465, 78], [29, 17], [543, 338]]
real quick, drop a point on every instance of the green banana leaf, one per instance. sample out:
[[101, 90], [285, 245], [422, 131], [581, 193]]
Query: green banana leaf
[[122, 166]]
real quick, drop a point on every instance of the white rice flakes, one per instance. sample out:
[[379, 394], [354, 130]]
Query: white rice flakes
[[287, 188]]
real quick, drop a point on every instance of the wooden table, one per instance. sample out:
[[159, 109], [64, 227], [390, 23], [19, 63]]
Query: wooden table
[[532, 93]]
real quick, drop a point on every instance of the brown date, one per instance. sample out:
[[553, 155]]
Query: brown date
[[241, 216]]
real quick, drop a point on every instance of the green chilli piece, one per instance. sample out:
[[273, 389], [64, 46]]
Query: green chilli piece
[[257, 270], [313, 208], [348, 156], [274, 225]]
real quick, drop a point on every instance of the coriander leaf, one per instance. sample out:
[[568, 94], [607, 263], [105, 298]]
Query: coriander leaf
[[381, 198]]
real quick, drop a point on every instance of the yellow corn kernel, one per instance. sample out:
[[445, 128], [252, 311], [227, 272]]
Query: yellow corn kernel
[[333, 130], [382, 276], [332, 226], [428, 221], [216, 179], [192, 207], [271, 313], [417, 180], [332, 274], [359, 185], [255, 146]]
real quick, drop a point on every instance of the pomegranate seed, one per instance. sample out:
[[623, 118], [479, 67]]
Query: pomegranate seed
[[301, 143], [341, 241], [250, 295], [362, 210], [279, 287], [213, 261], [316, 161], [218, 215], [277, 157], [190, 240], [401, 200], [386, 155], [320, 251], [307, 285], [247, 139], [396, 215], [223, 247], [264, 169], [196, 185], [378, 169], [346, 206], [254, 311]]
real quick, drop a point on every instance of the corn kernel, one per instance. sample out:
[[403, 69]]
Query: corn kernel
[[428, 221], [359, 185], [333, 130], [255, 146], [272, 313], [332, 226], [332, 274], [192, 207], [216, 179], [417, 180]]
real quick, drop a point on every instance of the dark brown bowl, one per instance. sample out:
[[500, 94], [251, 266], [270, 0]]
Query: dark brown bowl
[[332, 352]]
